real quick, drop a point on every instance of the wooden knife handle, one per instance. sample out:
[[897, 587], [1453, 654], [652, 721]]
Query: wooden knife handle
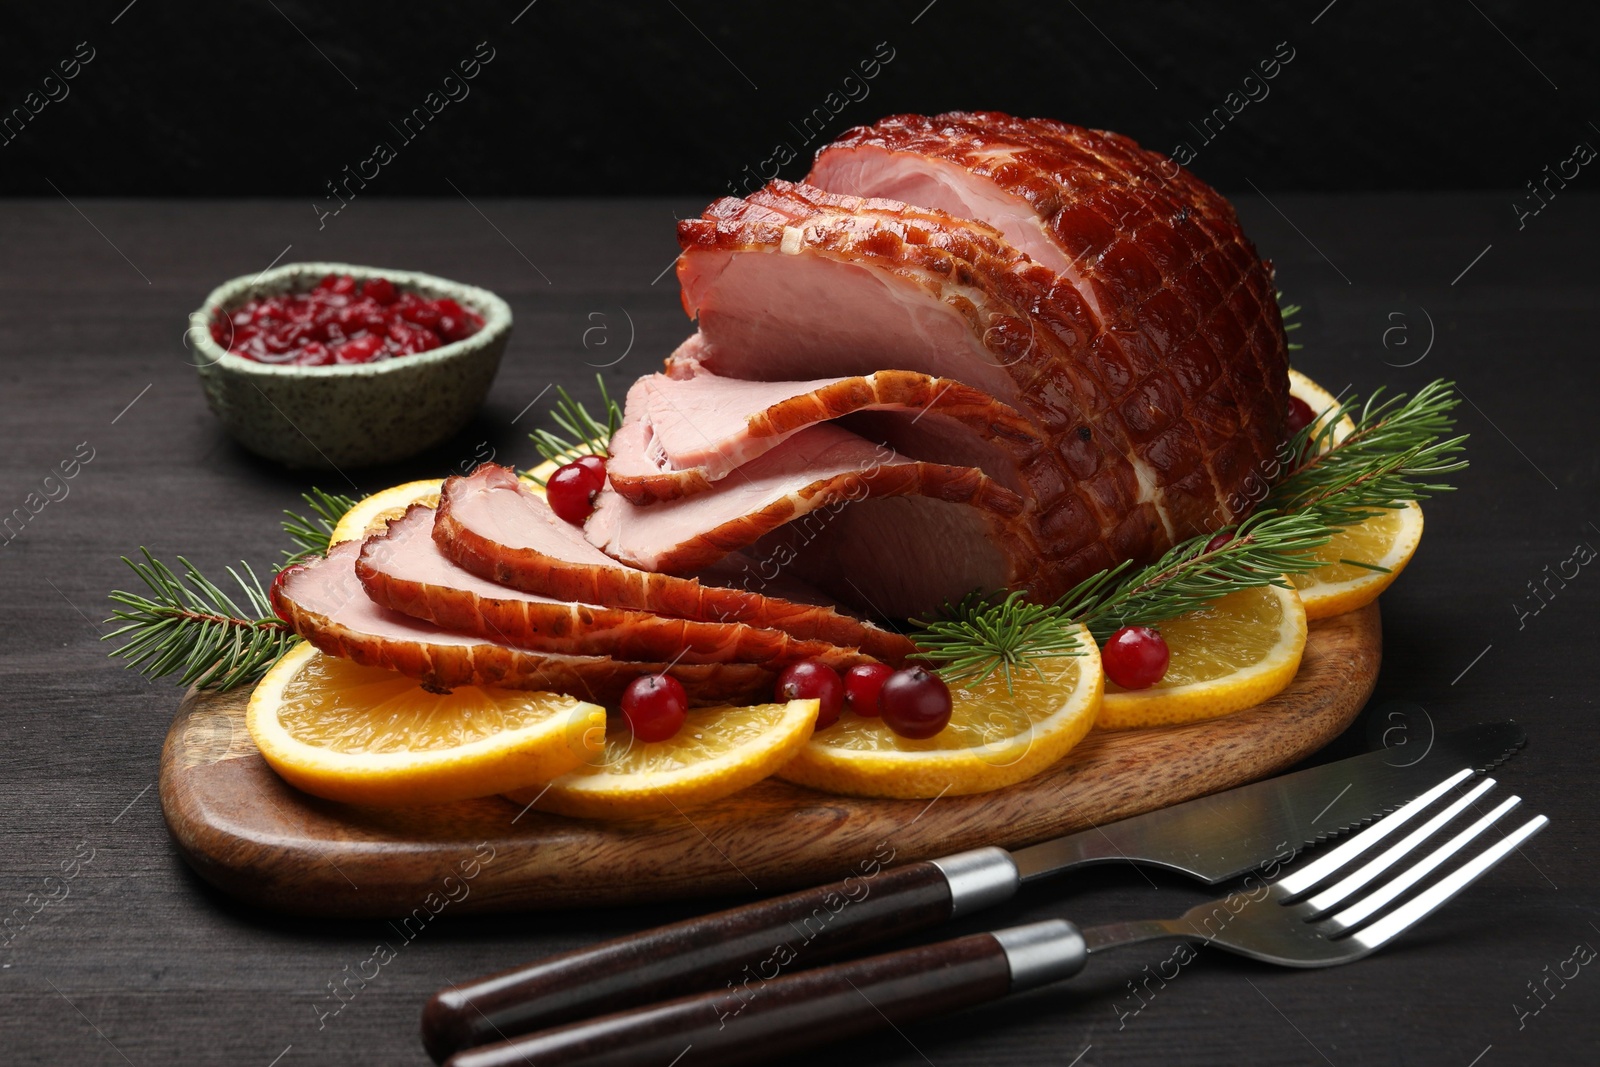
[[750, 1024], [725, 951]]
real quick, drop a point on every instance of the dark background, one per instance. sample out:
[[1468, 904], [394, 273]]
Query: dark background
[[276, 97], [1391, 153]]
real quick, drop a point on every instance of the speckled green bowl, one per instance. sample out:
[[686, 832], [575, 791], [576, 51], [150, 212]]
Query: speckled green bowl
[[353, 416]]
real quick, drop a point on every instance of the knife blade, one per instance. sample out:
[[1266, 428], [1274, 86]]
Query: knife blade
[[1227, 834], [1212, 838]]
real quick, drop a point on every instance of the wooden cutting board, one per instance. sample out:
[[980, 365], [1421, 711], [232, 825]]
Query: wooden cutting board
[[254, 837]]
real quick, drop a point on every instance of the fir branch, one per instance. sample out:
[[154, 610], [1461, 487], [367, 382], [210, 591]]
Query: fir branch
[[1287, 312], [312, 535], [1193, 575], [984, 634], [1397, 452], [190, 627], [582, 433]]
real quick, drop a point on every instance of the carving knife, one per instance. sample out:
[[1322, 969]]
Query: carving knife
[[1213, 838]]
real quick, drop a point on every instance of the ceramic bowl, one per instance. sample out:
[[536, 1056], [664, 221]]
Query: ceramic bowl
[[347, 416]]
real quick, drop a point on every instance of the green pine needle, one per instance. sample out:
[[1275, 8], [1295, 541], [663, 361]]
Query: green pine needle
[[190, 627], [312, 535], [582, 433], [1287, 312], [1014, 634]]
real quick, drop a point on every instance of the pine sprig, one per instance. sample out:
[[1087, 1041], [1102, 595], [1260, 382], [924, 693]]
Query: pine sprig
[[1191, 575], [1396, 452], [1014, 634], [191, 627], [311, 535], [582, 433], [1287, 312]]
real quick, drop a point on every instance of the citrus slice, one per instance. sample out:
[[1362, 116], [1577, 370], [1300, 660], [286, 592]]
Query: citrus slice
[[995, 737], [1320, 401], [1388, 539], [363, 735], [371, 514], [718, 751], [1232, 655]]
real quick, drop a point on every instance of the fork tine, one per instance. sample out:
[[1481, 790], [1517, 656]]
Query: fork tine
[[1346, 887], [1302, 879], [1373, 902], [1436, 896]]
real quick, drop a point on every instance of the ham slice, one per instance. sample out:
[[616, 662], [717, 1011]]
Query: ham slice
[[1148, 444], [967, 531], [403, 569], [325, 603], [490, 525], [679, 435]]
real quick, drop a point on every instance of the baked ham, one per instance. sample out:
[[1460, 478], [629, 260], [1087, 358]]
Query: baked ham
[[489, 524], [1150, 354], [325, 603], [403, 569], [679, 435], [822, 490]]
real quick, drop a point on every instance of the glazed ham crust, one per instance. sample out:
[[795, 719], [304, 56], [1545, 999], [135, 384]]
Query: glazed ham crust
[[1187, 306]]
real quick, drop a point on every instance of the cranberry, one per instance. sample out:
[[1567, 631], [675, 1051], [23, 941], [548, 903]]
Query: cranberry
[[812, 679], [571, 489], [655, 706], [862, 684], [335, 315], [361, 350], [1300, 416], [381, 290], [1135, 657], [915, 703], [1218, 541]]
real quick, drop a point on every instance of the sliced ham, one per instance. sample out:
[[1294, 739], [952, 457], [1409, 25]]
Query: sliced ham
[[967, 532], [404, 569], [794, 282], [325, 603], [490, 525], [680, 435]]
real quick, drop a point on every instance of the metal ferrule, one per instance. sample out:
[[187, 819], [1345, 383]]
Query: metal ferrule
[[979, 879], [1041, 953]]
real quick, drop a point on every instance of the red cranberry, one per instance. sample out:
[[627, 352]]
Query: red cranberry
[[812, 679], [915, 703], [280, 329], [571, 489], [1300, 416], [1218, 541], [862, 685], [1135, 657], [655, 706]]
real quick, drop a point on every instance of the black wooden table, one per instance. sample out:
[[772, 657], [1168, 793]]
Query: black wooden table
[[133, 959]]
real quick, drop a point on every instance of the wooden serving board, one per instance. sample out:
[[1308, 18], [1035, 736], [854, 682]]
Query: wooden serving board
[[254, 837]]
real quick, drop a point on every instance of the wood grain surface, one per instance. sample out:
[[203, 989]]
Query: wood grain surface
[[252, 835]]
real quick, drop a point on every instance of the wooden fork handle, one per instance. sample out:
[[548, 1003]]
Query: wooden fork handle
[[722, 951], [753, 1022]]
